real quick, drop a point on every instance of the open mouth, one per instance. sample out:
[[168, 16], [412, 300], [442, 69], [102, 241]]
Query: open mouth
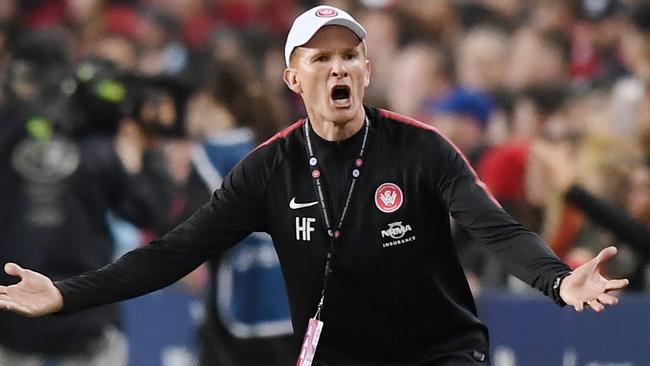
[[341, 95]]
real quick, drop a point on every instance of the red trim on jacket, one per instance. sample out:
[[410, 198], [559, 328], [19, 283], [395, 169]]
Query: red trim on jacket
[[282, 133]]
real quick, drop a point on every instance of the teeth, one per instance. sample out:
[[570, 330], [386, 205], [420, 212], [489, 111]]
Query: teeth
[[341, 101]]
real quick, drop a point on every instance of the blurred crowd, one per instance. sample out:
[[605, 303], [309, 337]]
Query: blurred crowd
[[548, 99]]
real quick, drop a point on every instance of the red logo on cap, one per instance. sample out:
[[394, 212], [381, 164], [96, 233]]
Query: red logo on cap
[[388, 197], [326, 13]]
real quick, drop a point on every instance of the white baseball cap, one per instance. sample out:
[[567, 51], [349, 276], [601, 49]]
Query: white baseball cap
[[309, 22]]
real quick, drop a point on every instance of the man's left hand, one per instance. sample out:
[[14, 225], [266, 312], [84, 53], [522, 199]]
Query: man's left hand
[[586, 286]]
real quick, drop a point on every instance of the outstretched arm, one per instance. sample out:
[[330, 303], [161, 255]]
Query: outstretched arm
[[585, 285], [522, 252], [35, 295]]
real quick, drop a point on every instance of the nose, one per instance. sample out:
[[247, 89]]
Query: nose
[[339, 70]]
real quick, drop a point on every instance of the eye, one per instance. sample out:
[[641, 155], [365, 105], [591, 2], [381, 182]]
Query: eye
[[350, 55], [321, 58]]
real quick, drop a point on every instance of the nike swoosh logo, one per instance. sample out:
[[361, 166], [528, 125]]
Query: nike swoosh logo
[[294, 206]]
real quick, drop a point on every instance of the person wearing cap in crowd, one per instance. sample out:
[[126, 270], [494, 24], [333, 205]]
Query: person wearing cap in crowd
[[357, 201], [463, 116]]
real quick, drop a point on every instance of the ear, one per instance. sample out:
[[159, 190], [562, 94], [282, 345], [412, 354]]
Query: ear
[[290, 77], [366, 80]]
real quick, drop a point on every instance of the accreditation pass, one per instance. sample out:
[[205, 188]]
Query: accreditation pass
[[309, 344]]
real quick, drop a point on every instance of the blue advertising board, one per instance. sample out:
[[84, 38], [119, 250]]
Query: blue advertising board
[[533, 331], [524, 330]]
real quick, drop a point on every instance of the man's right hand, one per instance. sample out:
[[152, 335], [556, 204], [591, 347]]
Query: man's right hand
[[35, 295]]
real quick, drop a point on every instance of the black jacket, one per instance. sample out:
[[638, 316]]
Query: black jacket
[[397, 293]]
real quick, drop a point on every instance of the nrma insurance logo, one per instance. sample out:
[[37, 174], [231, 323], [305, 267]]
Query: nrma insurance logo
[[397, 231]]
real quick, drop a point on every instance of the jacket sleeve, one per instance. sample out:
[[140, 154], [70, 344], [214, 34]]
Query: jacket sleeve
[[522, 252], [235, 210]]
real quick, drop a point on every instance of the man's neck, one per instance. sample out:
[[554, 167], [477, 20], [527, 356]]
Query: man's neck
[[332, 131]]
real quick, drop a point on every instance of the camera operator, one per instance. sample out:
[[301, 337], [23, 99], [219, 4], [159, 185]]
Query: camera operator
[[69, 152]]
